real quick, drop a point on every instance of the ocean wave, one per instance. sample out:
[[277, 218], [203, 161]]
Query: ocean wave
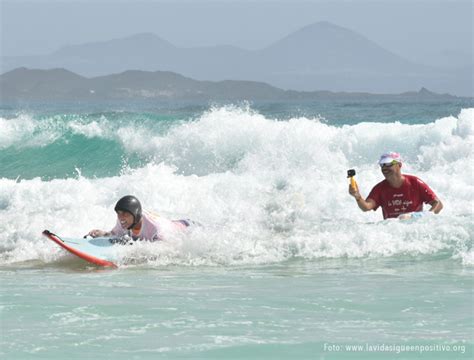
[[225, 138], [265, 190]]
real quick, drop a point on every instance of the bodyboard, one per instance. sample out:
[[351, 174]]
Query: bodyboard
[[98, 251], [414, 215]]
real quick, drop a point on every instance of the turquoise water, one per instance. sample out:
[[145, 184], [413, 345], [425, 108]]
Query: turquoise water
[[295, 309], [284, 266]]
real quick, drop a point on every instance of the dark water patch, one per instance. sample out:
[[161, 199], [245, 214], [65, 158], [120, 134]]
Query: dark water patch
[[67, 157]]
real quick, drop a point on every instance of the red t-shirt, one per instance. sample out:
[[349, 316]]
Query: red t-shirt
[[407, 198]]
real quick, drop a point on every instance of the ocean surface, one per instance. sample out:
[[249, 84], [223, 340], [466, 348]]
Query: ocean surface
[[283, 266]]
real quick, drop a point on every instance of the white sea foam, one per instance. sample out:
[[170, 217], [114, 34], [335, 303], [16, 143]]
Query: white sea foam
[[100, 129], [24, 131], [264, 190]]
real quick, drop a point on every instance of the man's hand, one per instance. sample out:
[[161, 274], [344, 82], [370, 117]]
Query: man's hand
[[436, 206], [354, 192], [364, 205]]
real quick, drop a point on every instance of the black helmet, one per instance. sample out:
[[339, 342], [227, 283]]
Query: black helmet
[[131, 205]]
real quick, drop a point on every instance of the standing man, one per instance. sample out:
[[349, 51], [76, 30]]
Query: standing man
[[398, 194]]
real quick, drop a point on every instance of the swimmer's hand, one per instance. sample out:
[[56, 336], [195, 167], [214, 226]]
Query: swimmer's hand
[[97, 233]]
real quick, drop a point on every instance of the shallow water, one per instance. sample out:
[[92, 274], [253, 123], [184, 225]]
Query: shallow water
[[291, 309]]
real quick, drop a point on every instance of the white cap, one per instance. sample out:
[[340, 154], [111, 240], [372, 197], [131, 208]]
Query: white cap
[[389, 157]]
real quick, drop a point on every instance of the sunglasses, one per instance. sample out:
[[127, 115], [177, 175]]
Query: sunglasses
[[390, 164]]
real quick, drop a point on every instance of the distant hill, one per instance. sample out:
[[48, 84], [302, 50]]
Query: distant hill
[[23, 84], [320, 56], [26, 85]]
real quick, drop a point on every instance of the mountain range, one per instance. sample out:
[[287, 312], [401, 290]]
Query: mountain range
[[26, 85], [320, 56]]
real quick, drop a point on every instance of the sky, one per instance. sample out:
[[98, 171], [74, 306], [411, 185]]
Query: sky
[[432, 32]]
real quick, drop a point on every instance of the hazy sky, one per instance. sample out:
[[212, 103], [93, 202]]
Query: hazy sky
[[426, 31]]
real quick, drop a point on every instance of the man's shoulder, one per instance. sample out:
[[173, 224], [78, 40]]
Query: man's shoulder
[[378, 190], [382, 184], [414, 180]]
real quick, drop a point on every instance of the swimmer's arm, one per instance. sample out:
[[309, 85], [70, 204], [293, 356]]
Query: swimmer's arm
[[157, 237]]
